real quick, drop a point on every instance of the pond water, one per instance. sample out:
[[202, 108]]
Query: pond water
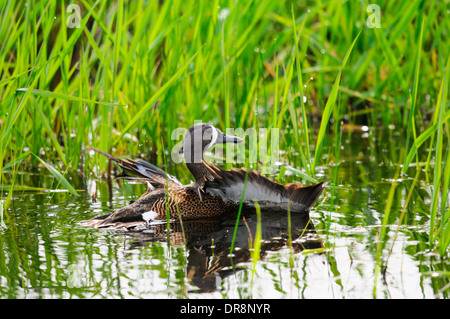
[[333, 253]]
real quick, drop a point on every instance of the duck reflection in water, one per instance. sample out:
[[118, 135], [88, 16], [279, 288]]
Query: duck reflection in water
[[208, 242]]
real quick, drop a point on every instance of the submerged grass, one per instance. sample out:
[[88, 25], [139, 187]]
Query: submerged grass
[[133, 71]]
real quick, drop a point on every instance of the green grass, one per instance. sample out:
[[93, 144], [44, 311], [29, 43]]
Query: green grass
[[136, 70]]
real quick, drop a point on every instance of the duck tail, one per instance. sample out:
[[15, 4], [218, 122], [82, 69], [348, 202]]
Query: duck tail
[[140, 170], [306, 195]]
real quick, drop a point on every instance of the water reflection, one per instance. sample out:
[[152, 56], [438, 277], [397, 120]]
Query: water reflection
[[208, 242], [46, 253]]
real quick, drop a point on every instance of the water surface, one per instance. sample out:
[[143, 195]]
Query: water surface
[[332, 253]]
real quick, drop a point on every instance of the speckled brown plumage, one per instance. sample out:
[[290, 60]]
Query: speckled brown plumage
[[180, 201]]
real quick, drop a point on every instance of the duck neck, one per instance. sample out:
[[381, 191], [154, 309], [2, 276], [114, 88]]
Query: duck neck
[[194, 162], [198, 171]]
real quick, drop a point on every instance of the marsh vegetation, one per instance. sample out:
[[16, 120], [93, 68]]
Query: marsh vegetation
[[359, 100]]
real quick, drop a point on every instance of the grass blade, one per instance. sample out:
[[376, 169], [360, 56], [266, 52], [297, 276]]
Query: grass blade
[[438, 157], [238, 217], [329, 106], [411, 125], [154, 98], [301, 174], [65, 97], [16, 160], [257, 241], [58, 176]]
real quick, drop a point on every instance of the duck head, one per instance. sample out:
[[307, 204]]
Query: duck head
[[198, 139], [203, 136]]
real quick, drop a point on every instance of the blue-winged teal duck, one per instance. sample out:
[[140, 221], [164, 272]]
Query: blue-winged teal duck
[[214, 192]]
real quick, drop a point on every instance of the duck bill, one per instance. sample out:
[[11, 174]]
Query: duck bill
[[231, 139]]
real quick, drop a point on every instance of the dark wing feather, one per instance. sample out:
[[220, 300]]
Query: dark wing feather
[[307, 195], [230, 185]]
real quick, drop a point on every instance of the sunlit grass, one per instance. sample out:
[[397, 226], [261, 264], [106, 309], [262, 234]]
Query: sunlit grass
[[135, 70]]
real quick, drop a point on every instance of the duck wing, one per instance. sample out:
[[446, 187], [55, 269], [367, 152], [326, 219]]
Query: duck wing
[[229, 184], [141, 170]]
